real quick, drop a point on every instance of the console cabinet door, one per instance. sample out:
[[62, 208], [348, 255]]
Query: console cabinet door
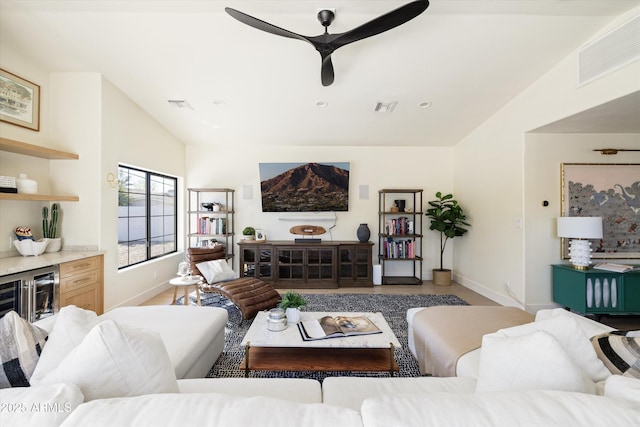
[[355, 265], [257, 261], [290, 263], [321, 264]]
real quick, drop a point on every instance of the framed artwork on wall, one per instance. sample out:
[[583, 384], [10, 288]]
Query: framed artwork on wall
[[19, 101], [610, 191]]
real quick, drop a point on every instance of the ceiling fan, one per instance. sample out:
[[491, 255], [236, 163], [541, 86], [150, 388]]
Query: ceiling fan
[[327, 43]]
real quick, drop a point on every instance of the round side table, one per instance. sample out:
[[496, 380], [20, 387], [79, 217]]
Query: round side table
[[185, 282]]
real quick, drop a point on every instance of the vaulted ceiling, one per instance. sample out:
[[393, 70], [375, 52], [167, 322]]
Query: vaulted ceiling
[[465, 58]]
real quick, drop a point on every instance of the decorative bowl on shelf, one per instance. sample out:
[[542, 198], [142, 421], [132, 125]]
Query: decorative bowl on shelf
[[31, 247]]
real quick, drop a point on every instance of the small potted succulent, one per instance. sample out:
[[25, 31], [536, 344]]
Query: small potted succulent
[[249, 233], [291, 303]]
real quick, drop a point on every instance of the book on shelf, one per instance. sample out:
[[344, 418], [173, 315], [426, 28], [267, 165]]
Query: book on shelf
[[618, 268], [399, 248], [336, 327], [398, 226], [208, 225]]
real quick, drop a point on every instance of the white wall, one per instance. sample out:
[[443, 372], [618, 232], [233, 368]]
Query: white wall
[[83, 113], [27, 213], [430, 169], [494, 172], [130, 136], [544, 155]]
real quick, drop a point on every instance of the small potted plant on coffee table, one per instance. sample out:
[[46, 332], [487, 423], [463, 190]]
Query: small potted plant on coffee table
[[291, 303]]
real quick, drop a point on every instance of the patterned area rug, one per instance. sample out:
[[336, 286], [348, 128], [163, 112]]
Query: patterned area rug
[[393, 307]]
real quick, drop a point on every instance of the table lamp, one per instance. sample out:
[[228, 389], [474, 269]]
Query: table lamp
[[579, 228]]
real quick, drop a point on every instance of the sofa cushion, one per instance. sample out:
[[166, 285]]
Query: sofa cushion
[[21, 344], [302, 390], [71, 326], [192, 335], [212, 410], [351, 392], [529, 362], [619, 351], [525, 408], [42, 406], [115, 361]]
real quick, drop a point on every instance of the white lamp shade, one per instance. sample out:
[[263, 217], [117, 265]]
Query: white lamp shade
[[578, 227]]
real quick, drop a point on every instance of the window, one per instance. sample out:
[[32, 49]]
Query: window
[[147, 215]]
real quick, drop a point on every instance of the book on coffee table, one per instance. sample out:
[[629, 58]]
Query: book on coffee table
[[336, 327]]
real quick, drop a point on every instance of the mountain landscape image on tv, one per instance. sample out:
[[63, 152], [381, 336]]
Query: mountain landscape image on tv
[[304, 187]]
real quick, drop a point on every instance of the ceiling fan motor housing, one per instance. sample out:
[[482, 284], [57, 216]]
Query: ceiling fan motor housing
[[326, 17]]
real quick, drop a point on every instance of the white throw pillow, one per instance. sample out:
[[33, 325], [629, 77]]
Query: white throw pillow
[[571, 337], [216, 271], [72, 325], [529, 362], [117, 361]]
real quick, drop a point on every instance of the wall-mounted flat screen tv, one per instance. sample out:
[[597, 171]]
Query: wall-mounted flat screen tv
[[304, 187]]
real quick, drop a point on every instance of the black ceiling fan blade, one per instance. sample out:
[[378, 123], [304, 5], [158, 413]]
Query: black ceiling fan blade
[[381, 24], [262, 25], [326, 72]]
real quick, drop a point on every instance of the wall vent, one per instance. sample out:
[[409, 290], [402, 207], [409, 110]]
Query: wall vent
[[610, 52]]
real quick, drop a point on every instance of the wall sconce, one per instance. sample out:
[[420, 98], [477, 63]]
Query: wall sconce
[[578, 228], [112, 181]]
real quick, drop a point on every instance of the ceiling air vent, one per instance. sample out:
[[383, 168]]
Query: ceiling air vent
[[385, 107], [180, 104], [610, 52]]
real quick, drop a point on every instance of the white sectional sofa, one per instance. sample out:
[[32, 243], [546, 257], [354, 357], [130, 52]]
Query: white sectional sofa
[[192, 335], [499, 394]]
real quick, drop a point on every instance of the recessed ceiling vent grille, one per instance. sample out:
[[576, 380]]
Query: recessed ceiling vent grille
[[610, 52]]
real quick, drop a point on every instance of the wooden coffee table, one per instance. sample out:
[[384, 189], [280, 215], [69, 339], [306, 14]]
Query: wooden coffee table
[[285, 350]]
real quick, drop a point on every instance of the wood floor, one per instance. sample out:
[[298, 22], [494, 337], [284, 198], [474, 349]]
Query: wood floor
[[473, 298]]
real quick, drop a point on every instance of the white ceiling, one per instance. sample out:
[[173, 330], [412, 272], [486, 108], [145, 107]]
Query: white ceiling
[[467, 57]]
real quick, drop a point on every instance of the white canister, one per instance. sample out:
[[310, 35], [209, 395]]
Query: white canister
[[26, 185]]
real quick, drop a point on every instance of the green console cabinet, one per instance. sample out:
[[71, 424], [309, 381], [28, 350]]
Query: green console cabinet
[[596, 291]]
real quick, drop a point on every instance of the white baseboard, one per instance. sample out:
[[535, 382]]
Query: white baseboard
[[144, 296], [501, 299]]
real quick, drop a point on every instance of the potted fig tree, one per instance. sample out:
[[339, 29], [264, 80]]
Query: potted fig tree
[[448, 218]]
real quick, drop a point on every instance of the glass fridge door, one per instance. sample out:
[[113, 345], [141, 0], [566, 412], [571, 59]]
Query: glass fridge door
[[44, 291], [10, 295]]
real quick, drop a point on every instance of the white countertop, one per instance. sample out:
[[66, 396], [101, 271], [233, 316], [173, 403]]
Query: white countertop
[[18, 264]]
